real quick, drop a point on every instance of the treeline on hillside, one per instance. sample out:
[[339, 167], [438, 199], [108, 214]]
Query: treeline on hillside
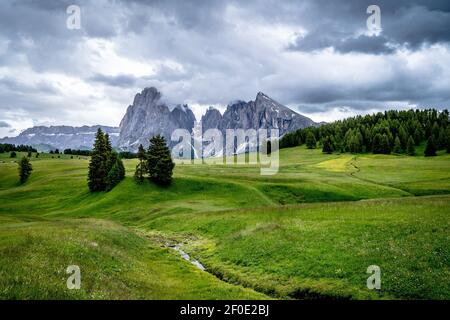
[[127, 155], [389, 132], [7, 147], [77, 152]]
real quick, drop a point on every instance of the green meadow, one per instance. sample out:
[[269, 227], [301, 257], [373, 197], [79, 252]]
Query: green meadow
[[308, 232]]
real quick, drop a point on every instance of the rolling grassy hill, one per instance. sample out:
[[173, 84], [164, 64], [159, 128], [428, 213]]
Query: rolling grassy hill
[[310, 231]]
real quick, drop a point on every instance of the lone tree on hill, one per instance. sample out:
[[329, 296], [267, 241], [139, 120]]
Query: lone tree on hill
[[430, 149], [327, 145], [159, 164], [25, 169], [410, 148], [13, 154], [106, 169], [310, 140]]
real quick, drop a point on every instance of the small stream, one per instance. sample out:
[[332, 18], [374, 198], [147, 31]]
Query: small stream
[[185, 256]]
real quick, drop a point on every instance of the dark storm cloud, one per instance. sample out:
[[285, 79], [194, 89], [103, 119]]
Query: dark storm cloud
[[212, 52], [410, 24]]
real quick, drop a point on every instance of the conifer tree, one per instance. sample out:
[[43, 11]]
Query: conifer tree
[[403, 138], [13, 154], [410, 146], [310, 140], [397, 145], [25, 169], [159, 164], [430, 149], [441, 142], [327, 145], [98, 164], [418, 135], [447, 139], [140, 168], [116, 173], [381, 144], [106, 169]]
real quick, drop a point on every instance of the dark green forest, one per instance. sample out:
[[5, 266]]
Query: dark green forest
[[384, 133]]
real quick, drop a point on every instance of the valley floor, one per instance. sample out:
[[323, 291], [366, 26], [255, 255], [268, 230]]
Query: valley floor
[[310, 231]]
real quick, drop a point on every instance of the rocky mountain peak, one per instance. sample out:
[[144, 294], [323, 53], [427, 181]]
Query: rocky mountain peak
[[149, 116], [262, 113], [148, 96]]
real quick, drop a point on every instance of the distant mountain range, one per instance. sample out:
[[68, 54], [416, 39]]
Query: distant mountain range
[[61, 137], [150, 115]]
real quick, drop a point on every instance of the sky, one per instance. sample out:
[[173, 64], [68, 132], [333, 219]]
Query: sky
[[318, 57]]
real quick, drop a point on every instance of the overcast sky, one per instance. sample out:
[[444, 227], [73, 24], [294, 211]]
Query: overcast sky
[[317, 57]]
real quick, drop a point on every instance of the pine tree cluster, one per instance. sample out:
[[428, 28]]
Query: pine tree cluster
[[106, 168], [389, 132], [7, 147], [156, 162]]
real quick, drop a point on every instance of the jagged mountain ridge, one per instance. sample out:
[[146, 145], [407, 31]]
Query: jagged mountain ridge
[[61, 137], [149, 115], [262, 113]]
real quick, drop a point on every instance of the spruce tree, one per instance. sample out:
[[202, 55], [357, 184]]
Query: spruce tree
[[13, 154], [441, 143], [116, 173], [310, 140], [327, 145], [25, 169], [418, 135], [410, 146], [403, 138], [430, 149], [397, 145], [385, 145], [377, 144], [447, 139], [159, 164], [140, 168], [98, 164]]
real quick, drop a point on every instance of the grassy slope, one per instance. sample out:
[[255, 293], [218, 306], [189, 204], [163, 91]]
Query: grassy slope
[[115, 264], [298, 250]]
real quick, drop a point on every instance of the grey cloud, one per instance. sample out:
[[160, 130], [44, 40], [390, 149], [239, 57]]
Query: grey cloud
[[115, 81], [4, 124], [409, 24]]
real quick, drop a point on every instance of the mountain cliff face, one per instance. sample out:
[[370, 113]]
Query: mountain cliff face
[[61, 137], [149, 116], [263, 113]]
